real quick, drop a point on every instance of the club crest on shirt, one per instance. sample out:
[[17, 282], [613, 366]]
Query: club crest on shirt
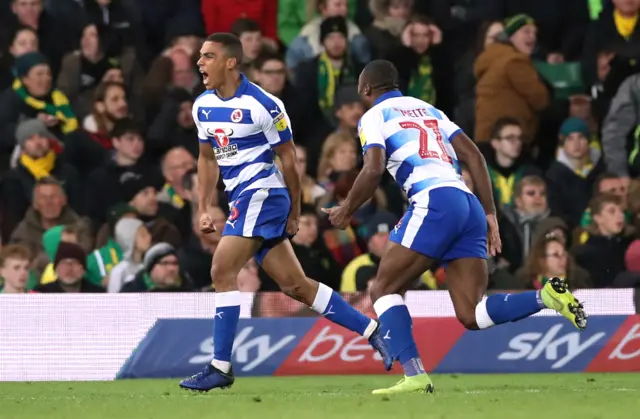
[[236, 115]]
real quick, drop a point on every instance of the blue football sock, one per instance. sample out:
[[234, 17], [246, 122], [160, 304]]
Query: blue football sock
[[395, 327], [331, 305], [503, 308], [225, 324]]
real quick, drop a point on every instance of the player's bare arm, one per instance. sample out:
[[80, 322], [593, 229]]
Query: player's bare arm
[[208, 173], [468, 152], [287, 154], [363, 188]]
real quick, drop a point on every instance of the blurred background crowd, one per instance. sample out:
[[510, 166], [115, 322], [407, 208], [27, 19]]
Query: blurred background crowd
[[98, 147]]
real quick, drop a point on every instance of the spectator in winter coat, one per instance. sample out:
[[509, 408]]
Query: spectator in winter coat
[[160, 273], [506, 163], [518, 223], [390, 20], [508, 84], [308, 43], [37, 160], [572, 175], [32, 95], [602, 255], [173, 126], [125, 163], [84, 69], [69, 264], [134, 239], [619, 126], [49, 209]]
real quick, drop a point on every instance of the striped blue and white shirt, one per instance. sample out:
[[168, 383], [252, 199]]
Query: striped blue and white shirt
[[416, 138], [242, 131]]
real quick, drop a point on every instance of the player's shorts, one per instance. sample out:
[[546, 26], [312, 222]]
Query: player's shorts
[[449, 224], [260, 213]]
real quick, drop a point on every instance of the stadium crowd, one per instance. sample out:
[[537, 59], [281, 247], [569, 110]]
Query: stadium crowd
[[98, 146]]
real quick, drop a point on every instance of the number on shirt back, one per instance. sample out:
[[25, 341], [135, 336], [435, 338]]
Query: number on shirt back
[[424, 151]]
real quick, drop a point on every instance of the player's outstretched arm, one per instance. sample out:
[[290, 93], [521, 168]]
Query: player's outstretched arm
[[368, 179], [468, 152], [208, 173]]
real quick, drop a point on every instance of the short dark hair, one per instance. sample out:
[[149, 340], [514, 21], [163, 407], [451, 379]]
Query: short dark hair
[[381, 75], [599, 201], [421, 19], [262, 59], [125, 126], [187, 179], [501, 123], [244, 25], [308, 209], [230, 43], [602, 177]]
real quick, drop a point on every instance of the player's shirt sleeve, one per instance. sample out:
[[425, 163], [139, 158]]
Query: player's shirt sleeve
[[370, 130], [275, 123], [447, 127], [202, 135]]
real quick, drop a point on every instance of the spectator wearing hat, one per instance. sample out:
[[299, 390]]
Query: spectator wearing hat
[[102, 260], [70, 264], [141, 194], [422, 68], [160, 273], [318, 78], [506, 161], [124, 164], [507, 83], [134, 239], [37, 159], [309, 42], [51, 240], [33, 95], [22, 40], [86, 68], [173, 126], [48, 209], [572, 175]]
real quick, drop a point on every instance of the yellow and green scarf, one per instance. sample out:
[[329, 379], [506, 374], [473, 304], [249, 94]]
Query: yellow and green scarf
[[176, 199], [503, 187], [60, 108], [329, 78], [421, 84], [39, 168]]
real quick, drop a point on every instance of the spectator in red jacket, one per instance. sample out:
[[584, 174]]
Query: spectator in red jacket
[[219, 15]]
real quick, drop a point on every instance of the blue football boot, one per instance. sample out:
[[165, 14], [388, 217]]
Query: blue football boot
[[208, 379], [377, 341]]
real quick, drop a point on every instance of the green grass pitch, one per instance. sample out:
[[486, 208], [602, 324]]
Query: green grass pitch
[[535, 396]]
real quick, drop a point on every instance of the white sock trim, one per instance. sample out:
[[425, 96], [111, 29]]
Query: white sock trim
[[323, 296], [384, 303], [483, 320], [223, 366], [370, 329], [227, 299]]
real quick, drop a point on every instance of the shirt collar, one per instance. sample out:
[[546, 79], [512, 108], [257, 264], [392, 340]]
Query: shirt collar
[[388, 95]]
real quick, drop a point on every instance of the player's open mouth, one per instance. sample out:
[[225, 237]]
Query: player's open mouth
[[205, 76]]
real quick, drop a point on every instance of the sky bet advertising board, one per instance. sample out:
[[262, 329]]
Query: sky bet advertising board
[[298, 346]]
